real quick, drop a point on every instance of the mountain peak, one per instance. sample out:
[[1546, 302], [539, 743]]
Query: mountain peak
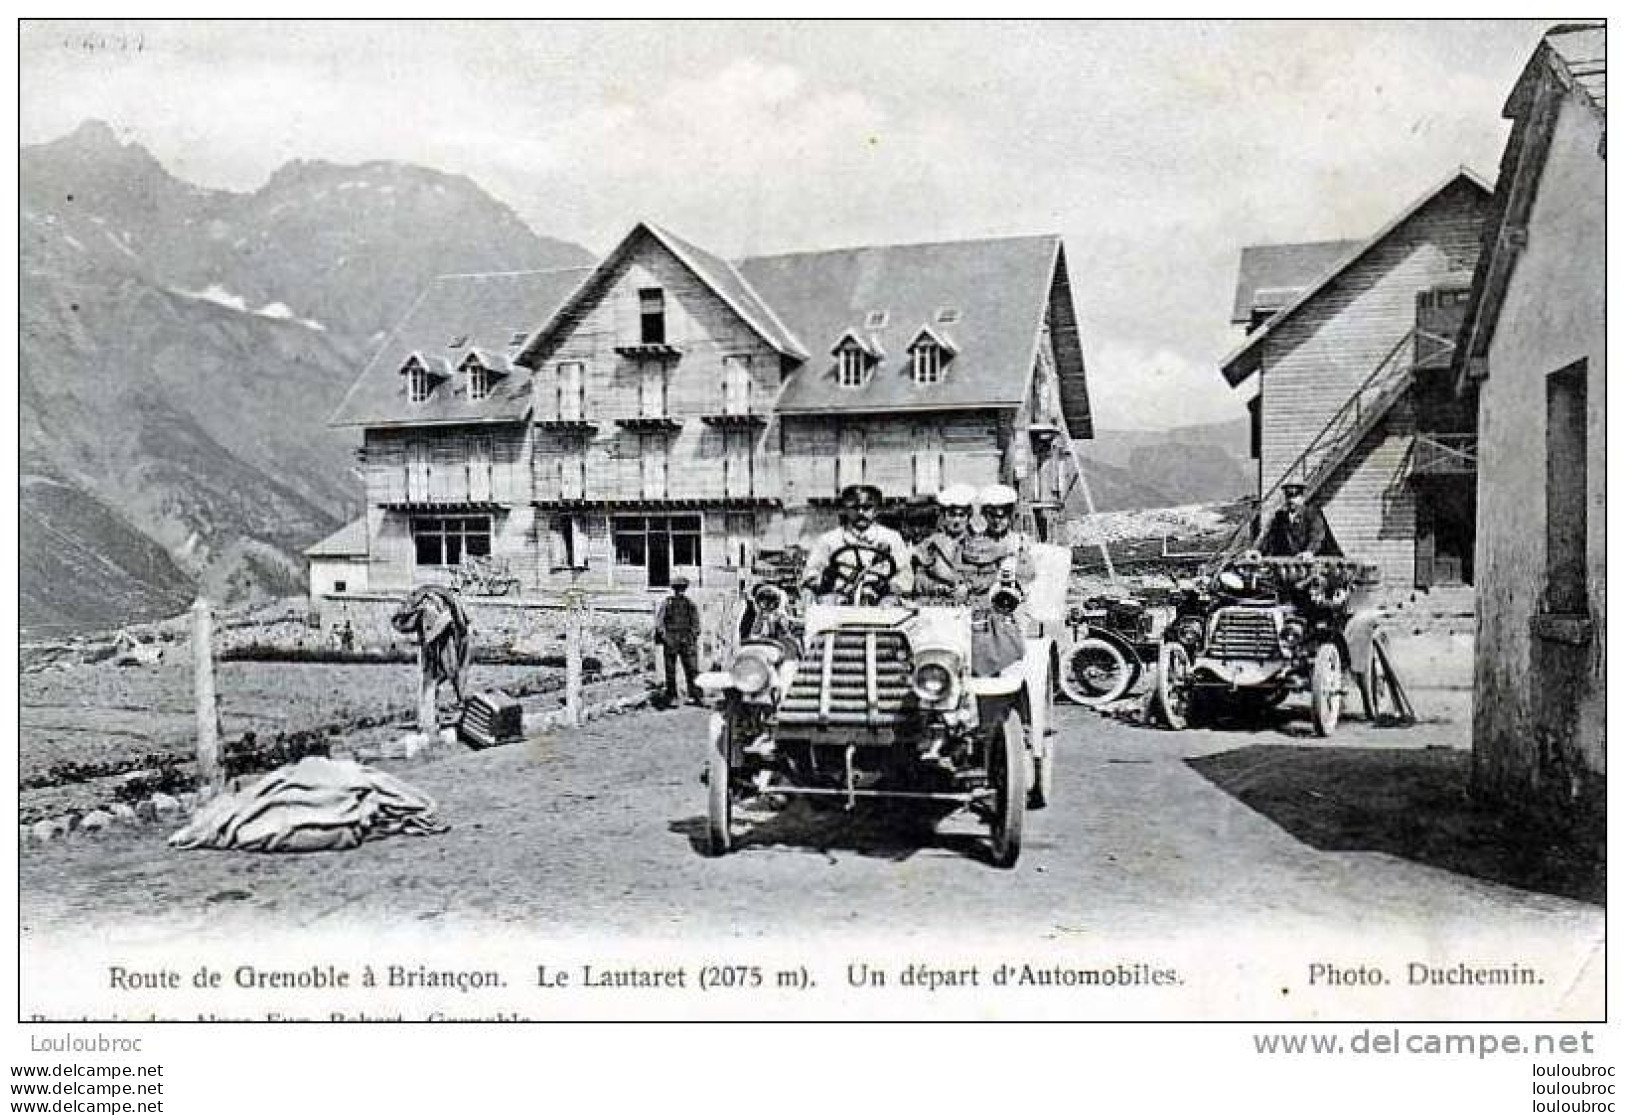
[[95, 145], [100, 138]]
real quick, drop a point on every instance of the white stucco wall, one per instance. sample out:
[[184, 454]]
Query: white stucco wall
[[327, 573], [1538, 715]]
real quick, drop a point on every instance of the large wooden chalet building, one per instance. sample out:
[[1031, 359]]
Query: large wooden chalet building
[[668, 411], [1351, 344]]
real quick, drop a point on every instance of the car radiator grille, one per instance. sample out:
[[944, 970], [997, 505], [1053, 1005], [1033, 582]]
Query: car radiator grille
[[1243, 633], [850, 679]]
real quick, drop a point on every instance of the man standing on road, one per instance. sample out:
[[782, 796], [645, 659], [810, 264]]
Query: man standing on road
[[1297, 529], [677, 630]]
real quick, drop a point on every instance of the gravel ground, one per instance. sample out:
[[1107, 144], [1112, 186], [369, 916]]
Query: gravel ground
[[600, 831]]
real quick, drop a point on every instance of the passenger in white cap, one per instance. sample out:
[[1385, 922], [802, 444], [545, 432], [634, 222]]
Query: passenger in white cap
[[997, 566], [936, 559]]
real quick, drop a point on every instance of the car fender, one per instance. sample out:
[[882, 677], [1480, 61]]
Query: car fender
[[1358, 634], [1035, 670]]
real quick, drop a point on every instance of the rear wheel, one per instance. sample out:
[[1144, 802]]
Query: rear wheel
[[1007, 773], [1326, 689], [1096, 672], [1173, 693], [719, 778]]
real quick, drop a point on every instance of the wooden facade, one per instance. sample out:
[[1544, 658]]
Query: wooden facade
[[651, 443], [1346, 384]]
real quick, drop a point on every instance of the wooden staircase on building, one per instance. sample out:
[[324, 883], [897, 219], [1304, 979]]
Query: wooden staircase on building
[[1360, 413]]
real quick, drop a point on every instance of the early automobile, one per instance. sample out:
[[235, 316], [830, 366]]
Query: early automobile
[[1110, 641], [878, 701], [1261, 630]]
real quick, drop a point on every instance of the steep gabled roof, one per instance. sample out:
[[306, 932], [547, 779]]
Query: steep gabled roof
[[483, 312], [725, 279], [1272, 275], [985, 299], [1570, 62], [717, 274], [1000, 290], [1243, 361], [1578, 54], [350, 540]]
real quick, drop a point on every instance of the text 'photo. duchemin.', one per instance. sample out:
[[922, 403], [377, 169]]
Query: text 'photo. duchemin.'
[[1120, 537]]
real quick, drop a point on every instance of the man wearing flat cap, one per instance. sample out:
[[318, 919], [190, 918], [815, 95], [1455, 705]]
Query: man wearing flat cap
[[677, 630], [1297, 529]]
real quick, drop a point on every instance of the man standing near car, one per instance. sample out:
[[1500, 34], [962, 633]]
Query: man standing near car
[[677, 631]]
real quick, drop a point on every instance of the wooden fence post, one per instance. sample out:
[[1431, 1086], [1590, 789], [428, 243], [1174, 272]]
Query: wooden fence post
[[211, 776], [428, 689], [572, 657]]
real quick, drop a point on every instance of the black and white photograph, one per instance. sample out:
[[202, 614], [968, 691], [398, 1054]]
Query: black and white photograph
[[897, 519]]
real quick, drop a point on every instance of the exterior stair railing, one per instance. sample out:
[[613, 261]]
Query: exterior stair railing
[[1367, 405]]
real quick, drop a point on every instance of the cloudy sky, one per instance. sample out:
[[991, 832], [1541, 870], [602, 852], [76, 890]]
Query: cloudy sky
[[1156, 149]]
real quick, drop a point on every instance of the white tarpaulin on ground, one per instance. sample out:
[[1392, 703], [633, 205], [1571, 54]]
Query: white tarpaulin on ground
[[313, 805]]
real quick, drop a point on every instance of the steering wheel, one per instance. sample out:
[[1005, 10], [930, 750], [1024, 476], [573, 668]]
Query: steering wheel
[[860, 574]]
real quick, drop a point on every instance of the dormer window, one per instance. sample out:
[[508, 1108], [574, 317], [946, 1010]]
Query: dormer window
[[420, 378], [418, 384], [927, 364], [850, 366], [482, 370], [854, 356], [929, 353]]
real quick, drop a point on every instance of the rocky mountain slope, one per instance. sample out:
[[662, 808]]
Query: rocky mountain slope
[[181, 349], [1131, 469]]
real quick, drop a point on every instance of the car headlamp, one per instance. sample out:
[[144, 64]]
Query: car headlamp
[[751, 672], [936, 677], [1292, 633]]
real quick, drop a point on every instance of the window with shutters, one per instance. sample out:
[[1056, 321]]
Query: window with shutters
[[573, 470], [927, 459], [652, 452], [479, 468], [571, 396], [417, 470], [652, 390], [736, 385], [849, 464], [737, 462]]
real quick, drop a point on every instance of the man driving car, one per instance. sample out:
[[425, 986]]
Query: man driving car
[[860, 561]]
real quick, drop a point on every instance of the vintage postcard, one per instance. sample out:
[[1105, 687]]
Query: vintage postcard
[[804, 520]]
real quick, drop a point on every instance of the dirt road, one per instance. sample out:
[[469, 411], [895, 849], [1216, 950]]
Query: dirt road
[[600, 831]]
